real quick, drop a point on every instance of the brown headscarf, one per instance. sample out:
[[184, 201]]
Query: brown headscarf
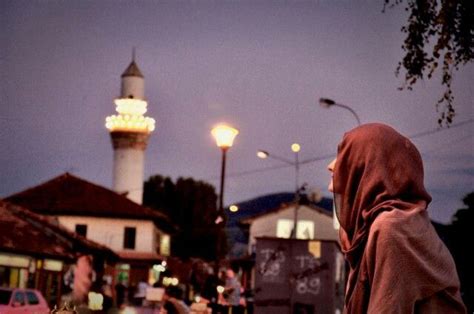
[[377, 169], [381, 205]]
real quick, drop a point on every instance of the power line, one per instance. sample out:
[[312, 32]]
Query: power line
[[328, 156], [433, 131], [451, 143]]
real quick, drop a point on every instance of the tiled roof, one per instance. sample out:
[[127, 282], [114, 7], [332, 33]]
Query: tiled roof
[[68, 195], [24, 232], [132, 70]]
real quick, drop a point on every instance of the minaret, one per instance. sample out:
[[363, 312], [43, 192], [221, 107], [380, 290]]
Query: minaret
[[129, 131]]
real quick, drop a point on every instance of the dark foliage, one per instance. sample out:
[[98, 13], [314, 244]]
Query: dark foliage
[[446, 27], [190, 205], [462, 232]]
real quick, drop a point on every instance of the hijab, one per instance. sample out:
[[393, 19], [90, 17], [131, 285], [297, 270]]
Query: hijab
[[377, 169], [378, 185]]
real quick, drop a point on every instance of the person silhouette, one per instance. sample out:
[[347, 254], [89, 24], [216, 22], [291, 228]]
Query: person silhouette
[[397, 262]]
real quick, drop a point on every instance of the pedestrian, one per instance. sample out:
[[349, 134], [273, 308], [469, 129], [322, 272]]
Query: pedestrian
[[397, 262], [232, 292], [120, 293], [140, 293], [106, 290], [173, 301]]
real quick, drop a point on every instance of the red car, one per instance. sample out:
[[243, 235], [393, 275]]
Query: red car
[[14, 301]]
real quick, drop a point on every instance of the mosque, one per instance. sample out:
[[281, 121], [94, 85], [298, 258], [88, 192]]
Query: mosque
[[113, 218]]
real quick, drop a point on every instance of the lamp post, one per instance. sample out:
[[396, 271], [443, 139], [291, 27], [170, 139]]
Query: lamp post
[[327, 103], [296, 164], [224, 136]]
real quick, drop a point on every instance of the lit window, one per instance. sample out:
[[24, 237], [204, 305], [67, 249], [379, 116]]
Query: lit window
[[165, 245], [305, 229], [284, 227]]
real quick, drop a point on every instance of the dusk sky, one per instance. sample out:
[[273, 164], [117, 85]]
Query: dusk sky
[[258, 65]]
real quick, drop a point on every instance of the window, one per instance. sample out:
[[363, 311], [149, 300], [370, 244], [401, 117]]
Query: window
[[5, 297], [129, 238], [19, 298], [285, 227], [81, 230], [165, 245], [305, 229], [32, 298]]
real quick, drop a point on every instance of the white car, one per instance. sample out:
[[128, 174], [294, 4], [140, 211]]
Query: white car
[[16, 300]]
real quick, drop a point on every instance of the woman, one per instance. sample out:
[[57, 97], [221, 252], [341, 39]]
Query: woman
[[397, 262]]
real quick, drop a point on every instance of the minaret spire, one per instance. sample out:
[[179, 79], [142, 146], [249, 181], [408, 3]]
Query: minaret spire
[[129, 130]]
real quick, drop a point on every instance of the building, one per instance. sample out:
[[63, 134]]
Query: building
[[35, 251], [272, 215], [138, 235], [129, 131], [298, 276], [313, 223]]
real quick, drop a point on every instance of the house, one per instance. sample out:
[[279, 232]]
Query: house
[[139, 235], [313, 222], [35, 251], [272, 215]]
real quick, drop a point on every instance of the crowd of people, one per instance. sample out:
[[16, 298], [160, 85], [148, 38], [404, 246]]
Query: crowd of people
[[221, 294]]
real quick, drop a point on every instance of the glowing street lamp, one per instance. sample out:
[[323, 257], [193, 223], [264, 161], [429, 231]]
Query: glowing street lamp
[[224, 136]]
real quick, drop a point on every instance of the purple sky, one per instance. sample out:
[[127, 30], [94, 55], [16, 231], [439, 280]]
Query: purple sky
[[259, 65]]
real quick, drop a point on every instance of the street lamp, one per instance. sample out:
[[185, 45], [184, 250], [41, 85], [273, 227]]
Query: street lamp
[[224, 136], [327, 103], [295, 147]]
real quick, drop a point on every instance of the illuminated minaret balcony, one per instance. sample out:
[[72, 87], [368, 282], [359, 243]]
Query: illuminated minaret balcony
[[130, 117]]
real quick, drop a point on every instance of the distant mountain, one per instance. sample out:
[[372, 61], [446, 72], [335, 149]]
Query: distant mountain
[[269, 202]]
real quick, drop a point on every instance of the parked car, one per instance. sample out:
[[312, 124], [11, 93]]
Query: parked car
[[14, 301]]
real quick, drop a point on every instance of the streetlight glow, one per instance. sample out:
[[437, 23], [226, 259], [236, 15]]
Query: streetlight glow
[[234, 208], [262, 154], [295, 147], [224, 135], [220, 289]]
